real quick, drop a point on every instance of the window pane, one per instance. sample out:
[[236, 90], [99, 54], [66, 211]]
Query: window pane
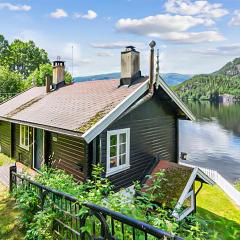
[[113, 162], [122, 159], [122, 137], [113, 140], [123, 148], [113, 151]]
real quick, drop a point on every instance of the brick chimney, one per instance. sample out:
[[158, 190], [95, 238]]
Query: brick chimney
[[130, 66], [58, 74]]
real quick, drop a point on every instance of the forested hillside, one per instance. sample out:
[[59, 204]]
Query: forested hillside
[[211, 86]]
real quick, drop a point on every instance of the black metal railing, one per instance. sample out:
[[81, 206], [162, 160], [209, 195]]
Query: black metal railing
[[102, 222]]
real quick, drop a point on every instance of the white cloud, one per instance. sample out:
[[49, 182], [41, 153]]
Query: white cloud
[[105, 54], [159, 24], [90, 15], [200, 8], [14, 7], [117, 45], [170, 28], [235, 21], [59, 13], [190, 37], [225, 50]]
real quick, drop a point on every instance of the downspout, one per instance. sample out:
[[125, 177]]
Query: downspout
[[152, 44]]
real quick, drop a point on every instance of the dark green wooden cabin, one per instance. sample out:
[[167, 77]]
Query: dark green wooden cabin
[[127, 125]]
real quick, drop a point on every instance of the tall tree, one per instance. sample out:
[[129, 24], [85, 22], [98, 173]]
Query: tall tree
[[11, 83], [38, 77], [25, 57], [4, 51]]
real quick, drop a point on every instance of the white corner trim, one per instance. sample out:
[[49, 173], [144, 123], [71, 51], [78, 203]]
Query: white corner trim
[[115, 113], [118, 170], [176, 99], [187, 211], [26, 147], [184, 195]]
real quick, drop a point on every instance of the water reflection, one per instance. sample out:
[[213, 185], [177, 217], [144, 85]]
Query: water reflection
[[214, 140]]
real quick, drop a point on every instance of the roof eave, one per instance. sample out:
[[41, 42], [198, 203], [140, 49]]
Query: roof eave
[[44, 127], [204, 177], [177, 100]]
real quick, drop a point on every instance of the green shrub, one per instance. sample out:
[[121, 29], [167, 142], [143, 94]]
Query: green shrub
[[41, 226], [98, 190]]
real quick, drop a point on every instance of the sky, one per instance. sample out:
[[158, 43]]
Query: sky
[[192, 36]]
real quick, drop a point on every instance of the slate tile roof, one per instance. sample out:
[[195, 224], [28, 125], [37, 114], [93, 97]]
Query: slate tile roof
[[74, 107]]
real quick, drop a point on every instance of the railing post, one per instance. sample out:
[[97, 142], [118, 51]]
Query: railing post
[[42, 197], [12, 178]]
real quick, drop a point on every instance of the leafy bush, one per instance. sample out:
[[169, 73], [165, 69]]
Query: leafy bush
[[41, 226], [98, 190], [27, 202]]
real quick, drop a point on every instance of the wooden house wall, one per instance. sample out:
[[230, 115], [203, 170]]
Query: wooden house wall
[[5, 138], [153, 135], [20, 154], [10, 140], [68, 153]]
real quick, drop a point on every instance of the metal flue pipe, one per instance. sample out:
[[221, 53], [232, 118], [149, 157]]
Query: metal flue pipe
[[152, 44]]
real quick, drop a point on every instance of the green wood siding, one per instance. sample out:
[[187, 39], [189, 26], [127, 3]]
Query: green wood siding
[[20, 154], [5, 138], [68, 153], [153, 128]]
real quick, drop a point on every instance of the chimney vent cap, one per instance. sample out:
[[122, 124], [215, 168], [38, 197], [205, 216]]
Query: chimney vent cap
[[130, 48], [58, 63], [152, 44]]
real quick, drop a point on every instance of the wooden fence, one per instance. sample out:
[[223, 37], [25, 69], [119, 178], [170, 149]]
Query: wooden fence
[[227, 187]]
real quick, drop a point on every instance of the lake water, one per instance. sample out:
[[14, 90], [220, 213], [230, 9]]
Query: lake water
[[213, 141]]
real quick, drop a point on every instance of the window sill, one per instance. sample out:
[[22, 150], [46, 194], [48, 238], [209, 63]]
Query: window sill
[[24, 147], [118, 170]]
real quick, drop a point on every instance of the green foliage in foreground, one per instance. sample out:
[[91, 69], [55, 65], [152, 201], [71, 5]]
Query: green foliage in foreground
[[208, 87], [95, 190]]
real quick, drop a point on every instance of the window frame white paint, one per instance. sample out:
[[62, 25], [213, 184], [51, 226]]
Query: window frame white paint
[[119, 168], [21, 144], [181, 215]]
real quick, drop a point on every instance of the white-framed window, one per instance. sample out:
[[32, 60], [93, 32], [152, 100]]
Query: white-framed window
[[24, 137], [118, 150]]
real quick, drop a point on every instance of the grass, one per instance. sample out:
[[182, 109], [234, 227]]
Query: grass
[[5, 159], [221, 213], [8, 217], [237, 185]]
